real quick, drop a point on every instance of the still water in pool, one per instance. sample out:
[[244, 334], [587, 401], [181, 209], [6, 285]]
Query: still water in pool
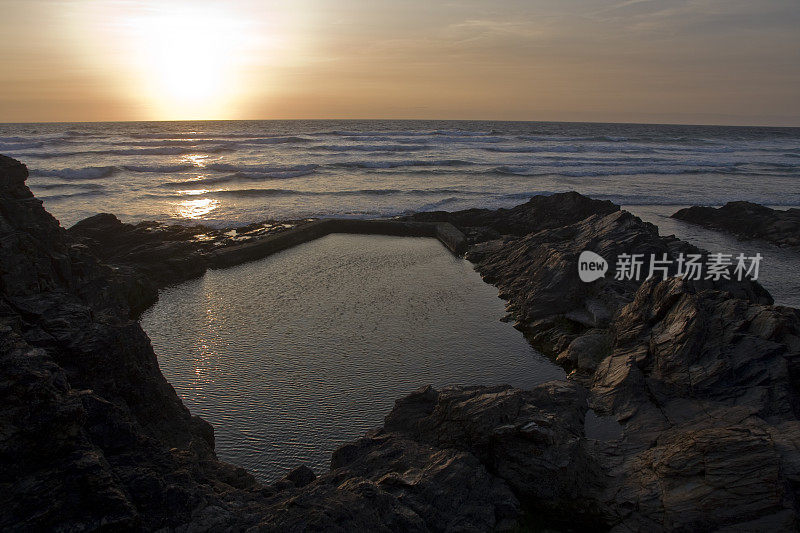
[[290, 356]]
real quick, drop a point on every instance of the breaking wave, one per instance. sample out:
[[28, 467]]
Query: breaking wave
[[86, 173]]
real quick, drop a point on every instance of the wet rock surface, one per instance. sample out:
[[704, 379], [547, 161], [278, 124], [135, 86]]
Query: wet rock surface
[[748, 220], [702, 376]]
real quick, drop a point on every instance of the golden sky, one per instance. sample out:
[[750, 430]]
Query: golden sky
[[682, 61]]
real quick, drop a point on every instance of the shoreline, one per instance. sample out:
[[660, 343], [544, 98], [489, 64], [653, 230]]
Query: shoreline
[[479, 457]]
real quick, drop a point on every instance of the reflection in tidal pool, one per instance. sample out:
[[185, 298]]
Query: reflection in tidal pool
[[293, 355]]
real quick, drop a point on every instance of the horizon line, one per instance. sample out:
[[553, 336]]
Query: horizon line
[[621, 123]]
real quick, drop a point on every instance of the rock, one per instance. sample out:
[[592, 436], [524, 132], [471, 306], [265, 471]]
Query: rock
[[538, 275], [533, 440], [747, 220], [586, 351], [88, 420], [300, 476], [700, 345], [703, 382], [540, 212]]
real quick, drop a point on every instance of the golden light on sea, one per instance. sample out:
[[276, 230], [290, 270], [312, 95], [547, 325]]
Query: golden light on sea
[[193, 209], [197, 160]]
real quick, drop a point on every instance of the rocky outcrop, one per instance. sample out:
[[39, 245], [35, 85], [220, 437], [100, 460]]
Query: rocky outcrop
[[538, 275], [747, 220], [538, 213], [706, 386], [92, 434], [154, 255], [702, 376]]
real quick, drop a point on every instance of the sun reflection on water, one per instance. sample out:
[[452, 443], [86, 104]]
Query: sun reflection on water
[[196, 208], [198, 160]]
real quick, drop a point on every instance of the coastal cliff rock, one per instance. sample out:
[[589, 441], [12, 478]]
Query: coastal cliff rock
[[747, 220], [702, 377]]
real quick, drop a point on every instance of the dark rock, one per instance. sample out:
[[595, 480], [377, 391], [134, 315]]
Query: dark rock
[[540, 212], [538, 275], [747, 220], [706, 387], [88, 420], [301, 476], [586, 351], [533, 440]]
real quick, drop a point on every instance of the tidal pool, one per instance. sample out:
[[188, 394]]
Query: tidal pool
[[290, 356]]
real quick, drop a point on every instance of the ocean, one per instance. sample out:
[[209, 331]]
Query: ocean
[[231, 173]]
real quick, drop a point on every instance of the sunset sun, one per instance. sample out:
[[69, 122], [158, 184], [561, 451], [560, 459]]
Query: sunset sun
[[187, 59]]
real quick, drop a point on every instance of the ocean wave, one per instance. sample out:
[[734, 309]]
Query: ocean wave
[[238, 176], [369, 147], [296, 192], [21, 145], [169, 143], [160, 169], [355, 133], [621, 148], [407, 163], [277, 140], [384, 138], [69, 196], [93, 173], [133, 151], [81, 186], [729, 169], [260, 169], [569, 149], [643, 139], [563, 138], [435, 206], [85, 173], [78, 133], [390, 134]]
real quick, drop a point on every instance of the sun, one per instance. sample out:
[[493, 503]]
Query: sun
[[188, 59]]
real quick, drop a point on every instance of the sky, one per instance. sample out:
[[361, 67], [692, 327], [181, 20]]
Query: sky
[[656, 61]]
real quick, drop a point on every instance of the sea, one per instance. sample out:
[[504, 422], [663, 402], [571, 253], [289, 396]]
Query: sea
[[230, 173]]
